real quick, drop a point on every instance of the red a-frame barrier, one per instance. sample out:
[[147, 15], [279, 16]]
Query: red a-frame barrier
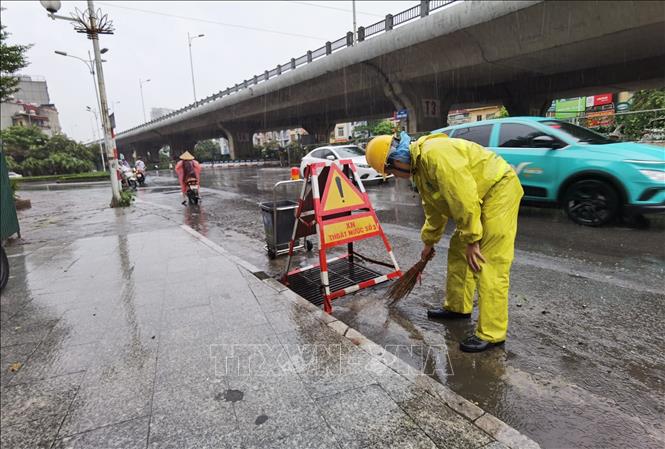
[[342, 215]]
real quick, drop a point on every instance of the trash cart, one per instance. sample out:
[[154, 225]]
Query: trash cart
[[279, 217]]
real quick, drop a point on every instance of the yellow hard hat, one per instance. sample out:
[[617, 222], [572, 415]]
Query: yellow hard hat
[[377, 152]]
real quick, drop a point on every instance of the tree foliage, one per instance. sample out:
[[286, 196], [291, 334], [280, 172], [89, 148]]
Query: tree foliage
[[32, 153], [383, 128], [207, 150], [503, 112], [19, 141], [634, 125], [12, 59]]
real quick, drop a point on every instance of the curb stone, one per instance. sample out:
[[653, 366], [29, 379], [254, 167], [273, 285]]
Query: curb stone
[[504, 435]]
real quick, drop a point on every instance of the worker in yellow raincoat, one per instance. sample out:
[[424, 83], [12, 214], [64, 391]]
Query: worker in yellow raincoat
[[464, 181]]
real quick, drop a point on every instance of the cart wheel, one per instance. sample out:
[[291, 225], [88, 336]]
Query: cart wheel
[[271, 254], [309, 245]]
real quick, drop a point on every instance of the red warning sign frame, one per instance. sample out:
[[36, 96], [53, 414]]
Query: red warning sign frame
[[338, 225]]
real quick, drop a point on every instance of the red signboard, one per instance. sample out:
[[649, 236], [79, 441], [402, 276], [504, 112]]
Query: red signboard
[[602, 99]]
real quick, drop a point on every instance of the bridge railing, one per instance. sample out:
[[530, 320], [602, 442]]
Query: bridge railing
[[423, 9]]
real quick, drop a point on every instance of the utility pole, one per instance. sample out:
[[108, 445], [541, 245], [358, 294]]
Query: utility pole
[[355, 32], [101, 152], [88, 23], [106, 123], [191, 62], [142, 101]]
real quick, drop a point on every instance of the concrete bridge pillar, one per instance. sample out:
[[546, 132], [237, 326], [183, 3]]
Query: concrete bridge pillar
[[427, 106], [319, 130], [180, 144], [520, 103], [240, 140]]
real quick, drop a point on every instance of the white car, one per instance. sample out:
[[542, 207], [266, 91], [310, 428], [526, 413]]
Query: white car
[[335, 153], [14, 175]]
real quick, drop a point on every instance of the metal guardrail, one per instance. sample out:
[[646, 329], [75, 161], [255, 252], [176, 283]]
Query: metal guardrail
[[423, 9]]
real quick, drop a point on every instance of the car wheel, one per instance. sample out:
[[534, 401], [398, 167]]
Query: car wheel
[[4, 268], [591, 202]]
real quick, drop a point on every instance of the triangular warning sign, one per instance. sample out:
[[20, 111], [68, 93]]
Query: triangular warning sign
[[340, 194]]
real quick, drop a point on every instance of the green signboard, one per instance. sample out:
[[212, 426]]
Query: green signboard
[[569, 107]]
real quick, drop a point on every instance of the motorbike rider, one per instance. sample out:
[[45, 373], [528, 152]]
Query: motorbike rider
[[187, 169], [122, 162], [139, 165]]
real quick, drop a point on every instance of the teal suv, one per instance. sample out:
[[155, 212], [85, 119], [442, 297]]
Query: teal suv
[[594, 178]]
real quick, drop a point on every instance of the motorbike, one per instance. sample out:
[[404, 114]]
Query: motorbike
[[128, 178], [193, 191], [140, 176]]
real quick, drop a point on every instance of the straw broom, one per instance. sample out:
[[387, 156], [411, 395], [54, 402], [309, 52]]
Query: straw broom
[[403, 286]]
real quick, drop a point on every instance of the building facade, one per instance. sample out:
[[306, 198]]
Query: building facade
[[31, 105]]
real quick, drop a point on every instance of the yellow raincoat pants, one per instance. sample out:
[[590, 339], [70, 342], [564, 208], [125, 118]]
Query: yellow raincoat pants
[[481, 193]]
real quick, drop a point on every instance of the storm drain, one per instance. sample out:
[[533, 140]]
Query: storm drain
[[342, 273]]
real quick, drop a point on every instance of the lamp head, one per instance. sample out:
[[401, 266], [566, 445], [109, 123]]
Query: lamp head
[[52, 6]]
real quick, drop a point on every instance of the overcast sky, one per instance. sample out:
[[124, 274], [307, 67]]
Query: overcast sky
[[150, 41]]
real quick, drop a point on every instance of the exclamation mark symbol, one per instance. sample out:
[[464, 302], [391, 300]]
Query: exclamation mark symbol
[[339, 187]]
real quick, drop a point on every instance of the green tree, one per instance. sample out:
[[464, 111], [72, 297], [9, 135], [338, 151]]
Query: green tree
[[20, 141], [383, 128], [503, 112], [60, 143], [635, 124], [56, 164], [206, 150], [12, 59]]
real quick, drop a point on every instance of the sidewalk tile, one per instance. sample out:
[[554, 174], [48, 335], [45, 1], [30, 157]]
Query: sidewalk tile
[[32, 333], [31, 413], [10, 356], [118, 388], [198, 439], [273, 407], [318, 437], [50, 360], [191, 407], [366, 416], [448, 429], [131, 434]]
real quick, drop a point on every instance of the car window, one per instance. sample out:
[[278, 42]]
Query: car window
[[327, 153], [517, 135], [447, 131], [353, 151], [578, 133], [318, 154], [478, 134]]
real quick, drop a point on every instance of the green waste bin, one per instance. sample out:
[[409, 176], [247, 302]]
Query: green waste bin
[[8, 219]]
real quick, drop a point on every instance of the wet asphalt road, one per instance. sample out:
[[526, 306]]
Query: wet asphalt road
[[583, 365]]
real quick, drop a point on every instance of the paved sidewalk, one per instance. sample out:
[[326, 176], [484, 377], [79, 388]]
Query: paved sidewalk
[[162, 339]]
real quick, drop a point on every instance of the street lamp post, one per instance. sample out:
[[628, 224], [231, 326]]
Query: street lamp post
[[88, 23], [142, 101], [89, 63], [191, 63], [101, 152], [355, 32]]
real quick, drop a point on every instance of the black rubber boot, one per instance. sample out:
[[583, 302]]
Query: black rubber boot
[[443, 314], [475, 344]]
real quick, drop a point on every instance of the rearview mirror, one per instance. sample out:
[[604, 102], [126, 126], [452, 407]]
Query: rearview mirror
[[545, 141], [330, 157]]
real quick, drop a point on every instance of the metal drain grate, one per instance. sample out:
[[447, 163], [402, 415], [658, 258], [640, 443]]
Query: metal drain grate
[[341, 274]]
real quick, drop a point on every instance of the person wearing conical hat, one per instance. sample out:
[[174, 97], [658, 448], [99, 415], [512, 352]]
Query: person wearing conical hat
[[187, 168]]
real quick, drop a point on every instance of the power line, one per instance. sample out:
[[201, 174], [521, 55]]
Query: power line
[[198, 19], [336, 9]]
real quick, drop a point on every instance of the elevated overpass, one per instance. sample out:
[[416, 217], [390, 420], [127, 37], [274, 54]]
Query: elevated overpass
[[425, 60]]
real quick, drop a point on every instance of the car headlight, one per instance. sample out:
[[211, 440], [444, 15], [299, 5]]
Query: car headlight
[[654, 175], [362, 165]]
